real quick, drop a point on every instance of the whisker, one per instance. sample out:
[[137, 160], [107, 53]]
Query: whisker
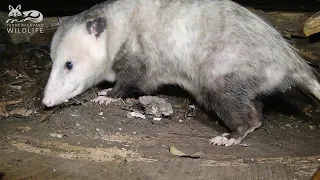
[[38, 49]]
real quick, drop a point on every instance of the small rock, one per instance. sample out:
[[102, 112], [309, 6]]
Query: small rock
[[156, 106], [137, 114], [101, 113], [16, 87], [180, 121], [129, 115], [23, 129], [288, 125], [192, 107], [312, 127], [97, 129], [191, 111], [117, 156], [56, 135], [157, 119]]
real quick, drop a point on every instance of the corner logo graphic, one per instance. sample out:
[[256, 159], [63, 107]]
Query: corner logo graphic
[[20, 16], [24, 21]]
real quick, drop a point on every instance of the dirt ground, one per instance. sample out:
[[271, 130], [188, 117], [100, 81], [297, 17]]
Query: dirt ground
[[101, 142]]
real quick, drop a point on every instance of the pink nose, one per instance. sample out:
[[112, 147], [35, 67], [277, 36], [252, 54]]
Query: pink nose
[[47, 102]]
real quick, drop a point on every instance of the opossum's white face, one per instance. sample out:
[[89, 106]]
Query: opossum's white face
[[78, 63]]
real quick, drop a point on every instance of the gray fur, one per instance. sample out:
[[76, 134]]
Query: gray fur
[[217, 50]]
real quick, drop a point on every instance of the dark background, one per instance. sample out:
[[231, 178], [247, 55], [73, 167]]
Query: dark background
[[69, 7]]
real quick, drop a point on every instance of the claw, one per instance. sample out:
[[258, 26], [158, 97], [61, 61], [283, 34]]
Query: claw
[[224, 141], [102, 99], [104, 92]]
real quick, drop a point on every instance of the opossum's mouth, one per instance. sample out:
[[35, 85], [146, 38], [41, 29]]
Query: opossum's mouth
[[51, 100]]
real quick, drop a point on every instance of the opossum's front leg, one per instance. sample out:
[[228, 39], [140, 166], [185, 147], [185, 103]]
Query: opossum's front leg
[[104, 99], [114, 94], [130, 71]]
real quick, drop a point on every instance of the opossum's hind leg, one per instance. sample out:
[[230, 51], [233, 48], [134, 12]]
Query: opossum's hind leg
[[239, 114], [240, 122]]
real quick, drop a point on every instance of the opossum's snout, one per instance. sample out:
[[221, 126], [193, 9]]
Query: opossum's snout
[[51, 98], [78, 61], [64, 83], [47, 102]]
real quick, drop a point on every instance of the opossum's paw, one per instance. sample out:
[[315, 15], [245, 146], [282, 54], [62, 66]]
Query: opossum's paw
[[224, 141], [105, 100], [104, 92]]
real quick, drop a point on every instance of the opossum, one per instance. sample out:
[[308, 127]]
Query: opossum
[[219, 51]]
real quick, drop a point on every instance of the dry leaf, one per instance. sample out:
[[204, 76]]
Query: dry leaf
[[3, 111], [20, 111], [176, 152], [3, 105]]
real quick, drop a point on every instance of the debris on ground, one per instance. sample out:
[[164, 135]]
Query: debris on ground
[[21, 112], [191, 111], [313, 127], [157, 119], [23, 128], [307, 110], [135, 114], [3, 105], [244, 145], [173, 150], [56, 135], [288, 125], [156, 106], [48, 114]]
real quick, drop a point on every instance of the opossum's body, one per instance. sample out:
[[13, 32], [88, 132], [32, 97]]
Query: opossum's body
[[217, 50]]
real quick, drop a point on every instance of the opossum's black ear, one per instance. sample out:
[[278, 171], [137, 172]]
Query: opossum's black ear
[[97, 26]]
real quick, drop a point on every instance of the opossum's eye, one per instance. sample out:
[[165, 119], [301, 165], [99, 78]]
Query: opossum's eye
[[69, 65]]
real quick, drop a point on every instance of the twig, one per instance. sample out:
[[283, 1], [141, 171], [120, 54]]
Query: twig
[[48, 114], [14, 89], [6, 103], [16, 82], [31, 68]]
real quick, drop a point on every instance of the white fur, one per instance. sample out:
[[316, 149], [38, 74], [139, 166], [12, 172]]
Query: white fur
[[185, 42], [87, 54]]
